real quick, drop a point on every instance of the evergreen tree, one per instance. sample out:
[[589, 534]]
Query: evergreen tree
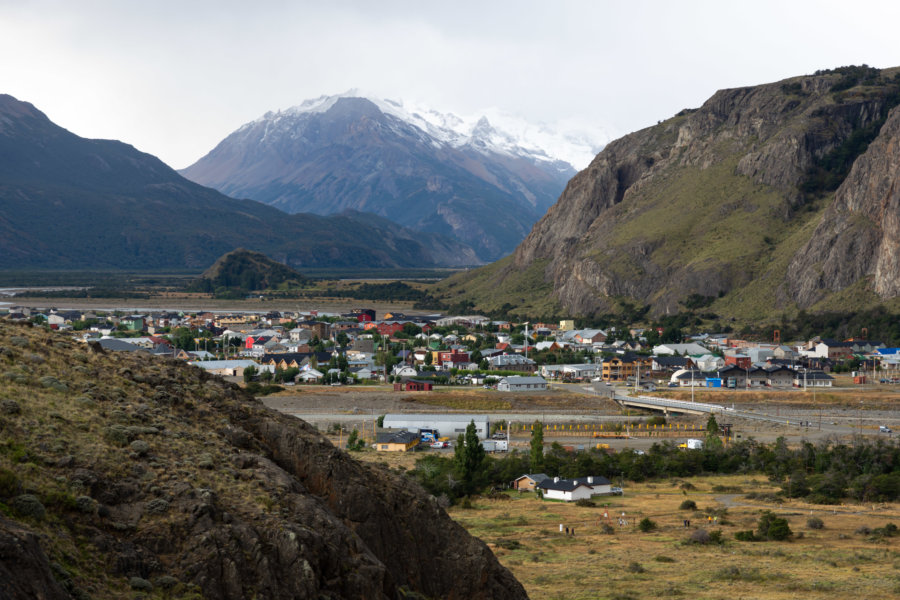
[[469, 458], [712, 433], [537, 447]]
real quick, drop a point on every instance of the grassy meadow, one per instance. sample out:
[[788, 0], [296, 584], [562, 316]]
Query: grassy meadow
[[844, 557], [838, 560]]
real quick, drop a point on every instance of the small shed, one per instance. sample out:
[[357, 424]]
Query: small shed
[[528, 482]]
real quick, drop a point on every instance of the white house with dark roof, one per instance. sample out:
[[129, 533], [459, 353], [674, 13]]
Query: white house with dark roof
[[570, 490]]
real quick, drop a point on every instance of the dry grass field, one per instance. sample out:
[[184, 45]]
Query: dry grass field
[[832, 562], [838, 560], [873, 397]]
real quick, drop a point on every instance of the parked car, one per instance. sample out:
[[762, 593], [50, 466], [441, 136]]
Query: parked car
[[440, 444], [498, 436], [884, 429]]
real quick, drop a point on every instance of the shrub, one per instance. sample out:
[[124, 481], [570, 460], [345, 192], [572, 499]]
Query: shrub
[[53, 383], [647, 524], [140, 447], [85, 504], [138, 583], [157, 506], [771, 527], [585, 502], [116, 434], [28, 505], [879, 533], [607, 529], [745, 536], [10, 407], [815, 523], [664, 559], [688, 505], [727, 489], [699, 536], [165, 582], [635, 567]]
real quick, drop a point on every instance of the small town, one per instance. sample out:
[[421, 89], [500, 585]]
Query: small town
[[419, 352]]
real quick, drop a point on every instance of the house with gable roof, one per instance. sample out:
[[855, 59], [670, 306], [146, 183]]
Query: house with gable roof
[[571, 490]]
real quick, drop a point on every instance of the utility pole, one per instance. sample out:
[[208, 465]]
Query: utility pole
[[526, 340], [637, 377]]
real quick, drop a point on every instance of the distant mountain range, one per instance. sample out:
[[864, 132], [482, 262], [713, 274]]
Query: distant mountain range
[[765, 200], [425, 170], [72, 203]]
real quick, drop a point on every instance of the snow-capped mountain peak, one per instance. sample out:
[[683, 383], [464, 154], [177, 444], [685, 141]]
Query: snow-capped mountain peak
[[491, 130]]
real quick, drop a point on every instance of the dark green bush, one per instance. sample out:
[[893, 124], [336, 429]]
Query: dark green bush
[[27, 505], [634, 567], [815, 523], [745, 536], [688, 505], [664, 559], [647, 524], [772, 527]]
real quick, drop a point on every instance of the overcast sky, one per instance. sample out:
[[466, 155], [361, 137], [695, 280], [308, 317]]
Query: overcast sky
[[174, 78]]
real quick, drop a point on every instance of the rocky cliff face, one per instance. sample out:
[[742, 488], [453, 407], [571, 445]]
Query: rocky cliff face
[[858, 238], [717, 201], [129, 474]]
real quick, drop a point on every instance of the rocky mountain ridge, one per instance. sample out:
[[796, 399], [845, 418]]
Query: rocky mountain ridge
[[124, 474], [766, 198], [71, 203], [338, 153]]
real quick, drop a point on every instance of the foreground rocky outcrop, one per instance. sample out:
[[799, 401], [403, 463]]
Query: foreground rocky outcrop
[[748, 203], [125, 472]]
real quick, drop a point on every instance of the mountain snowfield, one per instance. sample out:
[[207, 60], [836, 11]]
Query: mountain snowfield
[[488, 130]]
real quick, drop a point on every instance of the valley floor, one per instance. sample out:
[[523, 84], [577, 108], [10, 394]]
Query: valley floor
[[838, 560]]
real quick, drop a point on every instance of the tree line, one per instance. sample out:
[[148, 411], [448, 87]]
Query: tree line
[[826, 472]]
